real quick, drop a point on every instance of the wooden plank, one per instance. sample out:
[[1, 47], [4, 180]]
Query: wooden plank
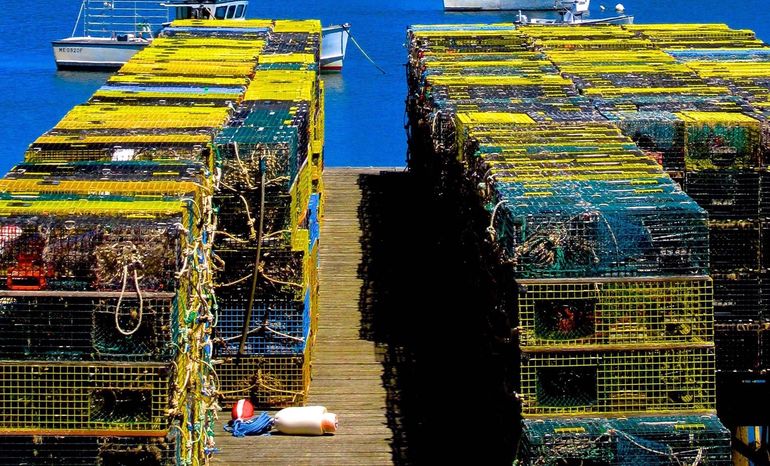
[[346, 374]]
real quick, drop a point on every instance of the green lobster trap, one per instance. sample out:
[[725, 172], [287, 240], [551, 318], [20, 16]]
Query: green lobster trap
[[649, 440]]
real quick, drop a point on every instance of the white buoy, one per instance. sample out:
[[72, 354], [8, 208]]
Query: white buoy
[[620, 8], [601, 7]]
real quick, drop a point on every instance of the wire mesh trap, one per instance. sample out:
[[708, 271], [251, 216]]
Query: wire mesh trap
[[37, 397], [277, 327], [556, 314], [88, 252], [82, 326], [89, 451], [653, 440], [742, 347], [106, 287], [268, 380], [579, 383]]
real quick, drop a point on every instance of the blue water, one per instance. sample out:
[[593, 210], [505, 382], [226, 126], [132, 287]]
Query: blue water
[[364, 108]]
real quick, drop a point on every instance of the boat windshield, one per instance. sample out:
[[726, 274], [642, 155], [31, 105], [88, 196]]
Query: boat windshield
[[207, 10], [121, 17]]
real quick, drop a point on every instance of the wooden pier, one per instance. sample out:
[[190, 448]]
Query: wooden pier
[[346, 373]]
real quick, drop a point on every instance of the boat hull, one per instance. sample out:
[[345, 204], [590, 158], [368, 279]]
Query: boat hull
[[334, 44], [106, 54], [89, 53], [491, 5], [617, 20]]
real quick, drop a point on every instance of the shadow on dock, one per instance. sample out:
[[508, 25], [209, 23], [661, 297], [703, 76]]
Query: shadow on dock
[[428, 306]]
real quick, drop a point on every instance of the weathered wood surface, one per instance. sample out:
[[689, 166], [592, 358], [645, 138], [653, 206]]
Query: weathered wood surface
[[347, 377]]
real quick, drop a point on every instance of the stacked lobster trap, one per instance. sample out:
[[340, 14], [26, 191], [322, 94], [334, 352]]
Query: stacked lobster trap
[[107, 271], [267, 200], [722, 152], [571, 139]]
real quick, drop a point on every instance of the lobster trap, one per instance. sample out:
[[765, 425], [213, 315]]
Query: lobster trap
[[97, 245], [721, 140], [684, 36], [726, 194], [120, 145], [742, 346], [566, 232], [660, 132], [268, 380], [54, 173], [68, 398], [724, 238], [252, 29], [290, 42], [273, 113], [277, 326], [282, 272], [584, 383], [650, 440], [490, 38], [238, 214], [626, 313], [246, 152], [740, 297], [89, 451], [44, 325], [128, 94]]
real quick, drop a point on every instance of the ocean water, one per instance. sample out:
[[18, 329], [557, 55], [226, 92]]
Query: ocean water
[[364, 107]]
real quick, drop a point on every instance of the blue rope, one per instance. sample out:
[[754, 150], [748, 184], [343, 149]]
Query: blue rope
[[259, 425]]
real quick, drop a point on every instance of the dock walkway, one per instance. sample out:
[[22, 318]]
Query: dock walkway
[[347, 376]]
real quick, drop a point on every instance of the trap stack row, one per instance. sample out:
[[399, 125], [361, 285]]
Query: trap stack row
[[610, 296], [694, 98], [268, 203], [726, 173], [107, 294]]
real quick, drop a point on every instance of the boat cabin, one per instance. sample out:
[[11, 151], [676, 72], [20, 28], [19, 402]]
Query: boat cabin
[[213, 9]]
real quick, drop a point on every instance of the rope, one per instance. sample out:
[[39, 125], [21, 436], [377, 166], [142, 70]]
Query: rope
[[355, 42], [259, 425], [232, 237], [280, 282], [120, 300], [234, 282], [250, 221], [237, 390], [491, 228], [241, 166], [668, 454], [264, 326]]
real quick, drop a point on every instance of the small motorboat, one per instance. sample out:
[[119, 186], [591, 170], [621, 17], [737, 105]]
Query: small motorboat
[[115, 30], [334, 44], [568, 18], [579, 6]]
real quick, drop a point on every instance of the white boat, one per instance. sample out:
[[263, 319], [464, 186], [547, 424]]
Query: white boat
[[113, 31], [579, 6], [334, 44], [567, 18]]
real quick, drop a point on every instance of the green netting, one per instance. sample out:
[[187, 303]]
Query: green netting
[[652, 440]]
